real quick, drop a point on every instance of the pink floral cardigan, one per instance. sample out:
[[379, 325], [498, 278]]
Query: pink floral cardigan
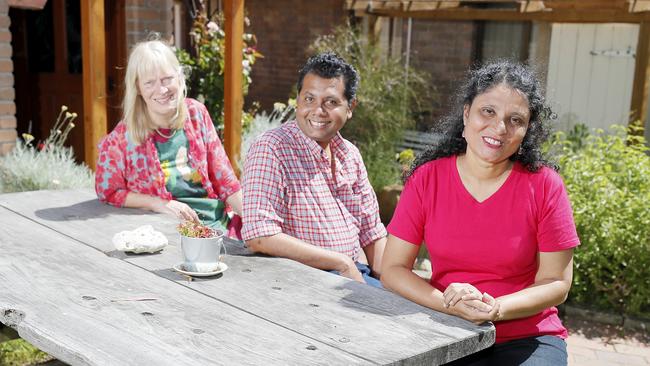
[[124, 167]]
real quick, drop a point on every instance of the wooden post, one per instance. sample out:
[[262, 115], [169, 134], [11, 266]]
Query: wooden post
[[641, 86], [233, 93], [93, 48]]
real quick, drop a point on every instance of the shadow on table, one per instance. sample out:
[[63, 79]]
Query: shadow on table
[[90, 209], [375, 301]]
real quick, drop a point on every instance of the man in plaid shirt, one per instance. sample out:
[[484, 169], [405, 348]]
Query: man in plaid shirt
[[306, 191]]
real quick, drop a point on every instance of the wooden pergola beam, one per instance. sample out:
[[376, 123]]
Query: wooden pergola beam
[[565, 16], [639, 5], [93, 49], [528, 6], [641, 87], [233, 93]]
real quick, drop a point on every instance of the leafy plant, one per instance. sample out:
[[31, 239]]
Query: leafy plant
[[48, 165], [194, 229], [390, 97], [18, 352], [206, 61], [607, 178]]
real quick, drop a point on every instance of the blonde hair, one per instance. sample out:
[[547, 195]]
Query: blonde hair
[[146, 58]]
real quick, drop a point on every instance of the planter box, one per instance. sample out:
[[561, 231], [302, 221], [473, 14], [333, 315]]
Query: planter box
[[387, 199]]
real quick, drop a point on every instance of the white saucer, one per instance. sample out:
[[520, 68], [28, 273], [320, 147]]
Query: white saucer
[[181, 269]]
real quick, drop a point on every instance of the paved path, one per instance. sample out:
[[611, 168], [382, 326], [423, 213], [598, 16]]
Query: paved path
[[598, 344]]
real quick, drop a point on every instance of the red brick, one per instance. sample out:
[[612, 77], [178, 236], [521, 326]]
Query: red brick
[[7, 94], [8, 135], [5, 50], [6, 79], [5, 36], [131, 3], [7, 122], [148, 15], [6, 65], [7, 108], [7, 147], [283, 38], [4, 21]]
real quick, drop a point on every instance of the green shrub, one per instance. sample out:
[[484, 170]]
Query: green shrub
[[18, 352], [49, 165], [390, 96], [608, 180]]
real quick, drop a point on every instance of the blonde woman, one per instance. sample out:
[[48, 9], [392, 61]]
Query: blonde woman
[[165, 155]]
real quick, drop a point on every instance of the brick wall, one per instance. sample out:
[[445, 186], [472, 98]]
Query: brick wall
[[145, 16], [7, 93], [446, 50], [284, 30]]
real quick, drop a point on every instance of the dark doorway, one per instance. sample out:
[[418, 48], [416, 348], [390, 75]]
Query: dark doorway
[[48, 68]]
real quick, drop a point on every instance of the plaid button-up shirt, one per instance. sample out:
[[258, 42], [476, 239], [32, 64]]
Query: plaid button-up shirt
[[288, 187]]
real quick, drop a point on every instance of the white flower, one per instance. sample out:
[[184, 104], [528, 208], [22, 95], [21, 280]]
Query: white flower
[[279, 106], [212, 27], [246, 64]]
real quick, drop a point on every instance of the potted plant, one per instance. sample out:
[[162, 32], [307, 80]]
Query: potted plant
[[201, 247]]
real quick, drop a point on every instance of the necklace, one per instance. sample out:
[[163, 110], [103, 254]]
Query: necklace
[[166, 136]]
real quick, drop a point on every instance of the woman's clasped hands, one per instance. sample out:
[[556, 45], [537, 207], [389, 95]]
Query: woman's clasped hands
[[467, 302]]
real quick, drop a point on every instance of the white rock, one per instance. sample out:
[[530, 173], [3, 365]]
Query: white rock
[[141, 240]]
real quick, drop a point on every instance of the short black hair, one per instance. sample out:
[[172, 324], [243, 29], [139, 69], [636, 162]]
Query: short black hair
[[329, 65]]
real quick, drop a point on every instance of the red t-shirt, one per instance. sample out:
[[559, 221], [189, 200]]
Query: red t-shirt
[[493, 244]]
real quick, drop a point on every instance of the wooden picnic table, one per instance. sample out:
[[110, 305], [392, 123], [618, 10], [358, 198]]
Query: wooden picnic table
[[65, 289]]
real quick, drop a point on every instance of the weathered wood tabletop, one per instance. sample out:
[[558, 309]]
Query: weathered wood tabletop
[[65, 289]]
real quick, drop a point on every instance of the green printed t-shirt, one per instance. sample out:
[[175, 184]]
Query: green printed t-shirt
[[184, 182]]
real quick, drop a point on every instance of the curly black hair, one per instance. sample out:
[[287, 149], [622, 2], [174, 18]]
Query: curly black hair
[[514, 75], [329, 65]]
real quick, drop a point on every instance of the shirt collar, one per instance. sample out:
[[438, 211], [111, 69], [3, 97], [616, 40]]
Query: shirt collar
[[337, 145]]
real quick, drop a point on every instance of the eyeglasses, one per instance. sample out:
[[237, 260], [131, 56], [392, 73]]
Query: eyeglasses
[[153, 83]]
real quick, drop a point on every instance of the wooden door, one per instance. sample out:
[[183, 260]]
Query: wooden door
[[590, 73], [116, 57], [47, 68]]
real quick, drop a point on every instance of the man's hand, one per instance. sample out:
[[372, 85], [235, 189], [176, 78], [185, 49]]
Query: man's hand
[[351, 271]]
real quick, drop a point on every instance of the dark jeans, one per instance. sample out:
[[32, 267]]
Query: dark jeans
[[534, 351], [365, 272]]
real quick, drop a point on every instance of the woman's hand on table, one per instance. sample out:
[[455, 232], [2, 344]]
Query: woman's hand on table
[[177, 209], [467, 302], [456, 292]]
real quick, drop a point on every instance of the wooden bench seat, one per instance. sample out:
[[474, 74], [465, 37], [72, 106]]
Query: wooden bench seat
[[417, 141]]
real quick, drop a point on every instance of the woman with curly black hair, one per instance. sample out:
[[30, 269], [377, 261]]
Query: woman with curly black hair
[[495, 217]]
